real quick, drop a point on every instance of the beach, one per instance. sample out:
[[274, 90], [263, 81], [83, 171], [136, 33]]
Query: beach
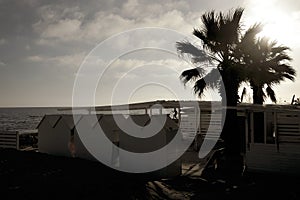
[[33, 175], [144, 100], [29, 174]]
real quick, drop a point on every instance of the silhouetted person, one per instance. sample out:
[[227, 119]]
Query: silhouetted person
[[174, 113]]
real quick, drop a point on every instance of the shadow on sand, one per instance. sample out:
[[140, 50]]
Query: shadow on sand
[[32, 175]]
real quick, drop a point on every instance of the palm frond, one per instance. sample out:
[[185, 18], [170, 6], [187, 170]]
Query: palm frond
[[249, 38], [199, 87], [285, 68], [192, 74], [268, 63], [212, 78], [244, 93], [282, 57], [237, 15], [187, 48], [230, 26], [271, 94], [288, 76], [279, 49]]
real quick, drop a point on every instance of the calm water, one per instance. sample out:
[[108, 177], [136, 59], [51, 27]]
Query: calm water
[[27, 119], [23, 119]]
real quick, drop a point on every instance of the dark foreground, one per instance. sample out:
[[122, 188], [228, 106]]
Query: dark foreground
[[31, 175]]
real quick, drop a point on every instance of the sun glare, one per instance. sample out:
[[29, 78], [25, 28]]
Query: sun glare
[[278, 24]]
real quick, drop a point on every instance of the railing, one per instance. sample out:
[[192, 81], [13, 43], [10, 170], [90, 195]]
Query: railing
[[288, 127], [9, 139]]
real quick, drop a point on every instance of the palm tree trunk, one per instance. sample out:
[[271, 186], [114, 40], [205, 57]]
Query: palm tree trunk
[[232, 166], [258, 95]]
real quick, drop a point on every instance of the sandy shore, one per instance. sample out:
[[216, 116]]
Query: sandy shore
[[31, 175]]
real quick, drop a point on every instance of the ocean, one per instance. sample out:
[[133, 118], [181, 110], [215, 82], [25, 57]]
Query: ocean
[[23, 119], [26, 119]]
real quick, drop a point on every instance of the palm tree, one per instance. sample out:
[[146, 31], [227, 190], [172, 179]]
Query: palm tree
[[267, 65], [220, 35]]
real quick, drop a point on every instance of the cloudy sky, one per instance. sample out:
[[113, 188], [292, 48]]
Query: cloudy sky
[[44, 44]]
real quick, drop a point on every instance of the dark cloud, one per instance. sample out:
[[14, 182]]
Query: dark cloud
[[42, 42]]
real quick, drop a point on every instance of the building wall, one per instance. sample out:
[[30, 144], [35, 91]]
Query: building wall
[[280, 149]]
